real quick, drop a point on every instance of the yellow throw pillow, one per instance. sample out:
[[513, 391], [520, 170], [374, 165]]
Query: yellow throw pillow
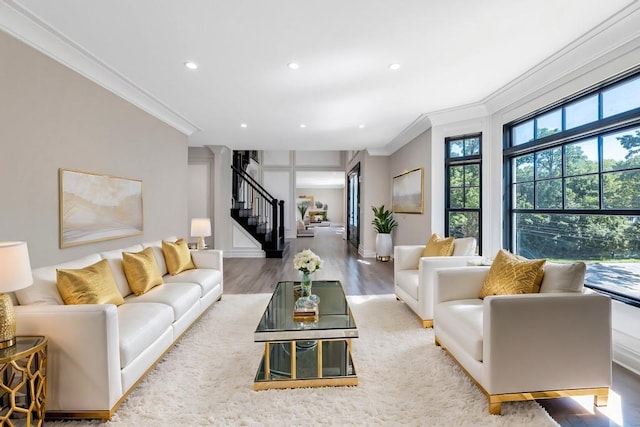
[[177, 256], [141, 270], [94, 284], [438, 246], [510, 275]]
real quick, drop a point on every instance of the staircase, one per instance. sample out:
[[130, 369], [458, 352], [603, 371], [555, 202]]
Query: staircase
[[257, 211]]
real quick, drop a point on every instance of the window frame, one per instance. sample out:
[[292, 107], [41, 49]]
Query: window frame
[[463, 161], [597, 129]]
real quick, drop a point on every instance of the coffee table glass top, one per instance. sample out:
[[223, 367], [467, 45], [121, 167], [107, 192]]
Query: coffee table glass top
[[334, 320]]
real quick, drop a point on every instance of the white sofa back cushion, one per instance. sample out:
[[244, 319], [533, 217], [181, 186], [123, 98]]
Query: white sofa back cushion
[[563, 277], [44, 289], [156, 245], [465, 246], [114, 258]]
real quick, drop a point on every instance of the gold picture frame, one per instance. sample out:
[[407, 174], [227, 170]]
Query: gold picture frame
[[95, 207], [408, 192]]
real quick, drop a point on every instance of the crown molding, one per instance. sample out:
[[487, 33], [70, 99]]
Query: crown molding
[[26, 27], [458, 114], [408, 134], [618, 34]]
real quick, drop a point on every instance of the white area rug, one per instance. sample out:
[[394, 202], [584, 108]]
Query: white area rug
[[404, 379]]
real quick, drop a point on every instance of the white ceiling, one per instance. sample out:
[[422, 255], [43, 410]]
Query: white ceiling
[[452, 53]]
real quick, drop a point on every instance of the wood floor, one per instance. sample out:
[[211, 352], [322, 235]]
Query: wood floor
[[366, 276]]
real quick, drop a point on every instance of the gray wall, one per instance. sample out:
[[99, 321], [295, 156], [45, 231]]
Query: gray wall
[[51, 118], [414, 228]]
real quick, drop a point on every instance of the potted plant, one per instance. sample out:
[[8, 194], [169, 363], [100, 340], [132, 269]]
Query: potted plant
[[384, 224], [302, 208]]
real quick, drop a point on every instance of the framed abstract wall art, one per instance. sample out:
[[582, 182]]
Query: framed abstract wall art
[[408, 192], [97, 207]]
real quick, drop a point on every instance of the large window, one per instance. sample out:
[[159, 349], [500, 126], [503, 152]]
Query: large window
[[573, 175], [463, 186]]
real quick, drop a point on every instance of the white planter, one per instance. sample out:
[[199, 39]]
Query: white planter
[[384, 247]]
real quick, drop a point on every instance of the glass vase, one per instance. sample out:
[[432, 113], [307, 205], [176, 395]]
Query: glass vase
[[305, 285]]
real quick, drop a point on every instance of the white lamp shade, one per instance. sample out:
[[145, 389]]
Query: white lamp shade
[[200, 227], [15, 267]]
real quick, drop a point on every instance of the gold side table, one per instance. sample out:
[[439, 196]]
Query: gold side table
[[23, 369]]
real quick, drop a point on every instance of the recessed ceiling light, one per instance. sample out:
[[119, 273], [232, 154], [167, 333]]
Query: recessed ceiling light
[[191, 65], [361, 126], [302, 125], [243, 125], [394, 67], [293, 65]]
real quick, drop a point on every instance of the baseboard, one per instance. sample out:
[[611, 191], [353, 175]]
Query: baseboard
[[626, 351], [244, 253], [366, 253]]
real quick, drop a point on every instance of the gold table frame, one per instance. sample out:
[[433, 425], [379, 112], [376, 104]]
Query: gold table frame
[[23, 370], [332, 333]]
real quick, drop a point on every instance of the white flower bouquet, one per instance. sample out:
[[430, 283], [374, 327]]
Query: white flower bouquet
[[307, 261]]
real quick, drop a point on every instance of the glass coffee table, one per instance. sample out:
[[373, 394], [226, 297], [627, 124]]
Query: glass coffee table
[[306, 354]]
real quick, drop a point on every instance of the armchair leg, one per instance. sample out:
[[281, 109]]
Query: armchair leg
[[601, 398], [495, 408], [427, 323]]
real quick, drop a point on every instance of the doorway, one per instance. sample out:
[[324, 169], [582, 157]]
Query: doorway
[[353, 206]]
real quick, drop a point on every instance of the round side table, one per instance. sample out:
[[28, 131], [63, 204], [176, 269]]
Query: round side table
[[23, 369]]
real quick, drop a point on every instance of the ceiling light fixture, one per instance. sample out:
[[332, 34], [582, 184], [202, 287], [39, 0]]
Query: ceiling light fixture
[[394, 67], [293, 65], [191, 65], [243, 125], [361, 126], [303, 125]]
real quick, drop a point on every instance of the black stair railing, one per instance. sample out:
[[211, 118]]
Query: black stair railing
[[258, 211]]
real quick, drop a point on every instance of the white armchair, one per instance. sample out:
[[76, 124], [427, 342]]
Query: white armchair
[[413, 274], [527, 346]]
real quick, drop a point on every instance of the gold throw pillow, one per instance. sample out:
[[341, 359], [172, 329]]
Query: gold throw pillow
[[177, 256], [438, 246], [141, 270], [510, 275], [94, 284]]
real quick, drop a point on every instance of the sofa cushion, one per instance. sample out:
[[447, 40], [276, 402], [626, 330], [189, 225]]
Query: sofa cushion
[[462, 320], [156, 246], [140, 325], [407, 280], [177, 256], [438, 246], [141, 270], [44, 289], [511, 275], [93, 284], [465, 246], [115, 262], [563, 277], [207, 279], [181, 297]]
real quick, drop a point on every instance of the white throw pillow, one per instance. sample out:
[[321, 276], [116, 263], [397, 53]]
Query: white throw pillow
[[563, 277], [465, 246]]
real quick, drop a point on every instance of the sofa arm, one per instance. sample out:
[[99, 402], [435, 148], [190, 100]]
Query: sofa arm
[[83, 353], [406, 257], [451, 284], [210, 258], [539, 342]]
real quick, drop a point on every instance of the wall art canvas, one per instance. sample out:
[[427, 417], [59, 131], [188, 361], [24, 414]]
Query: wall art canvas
[[97, 207], [408, 192]]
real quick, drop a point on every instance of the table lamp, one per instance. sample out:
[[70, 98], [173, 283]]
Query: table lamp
[[15, 273], [201, 228]]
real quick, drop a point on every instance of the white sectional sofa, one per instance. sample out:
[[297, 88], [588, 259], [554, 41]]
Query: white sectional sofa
[[554, 343], [97, 353]]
